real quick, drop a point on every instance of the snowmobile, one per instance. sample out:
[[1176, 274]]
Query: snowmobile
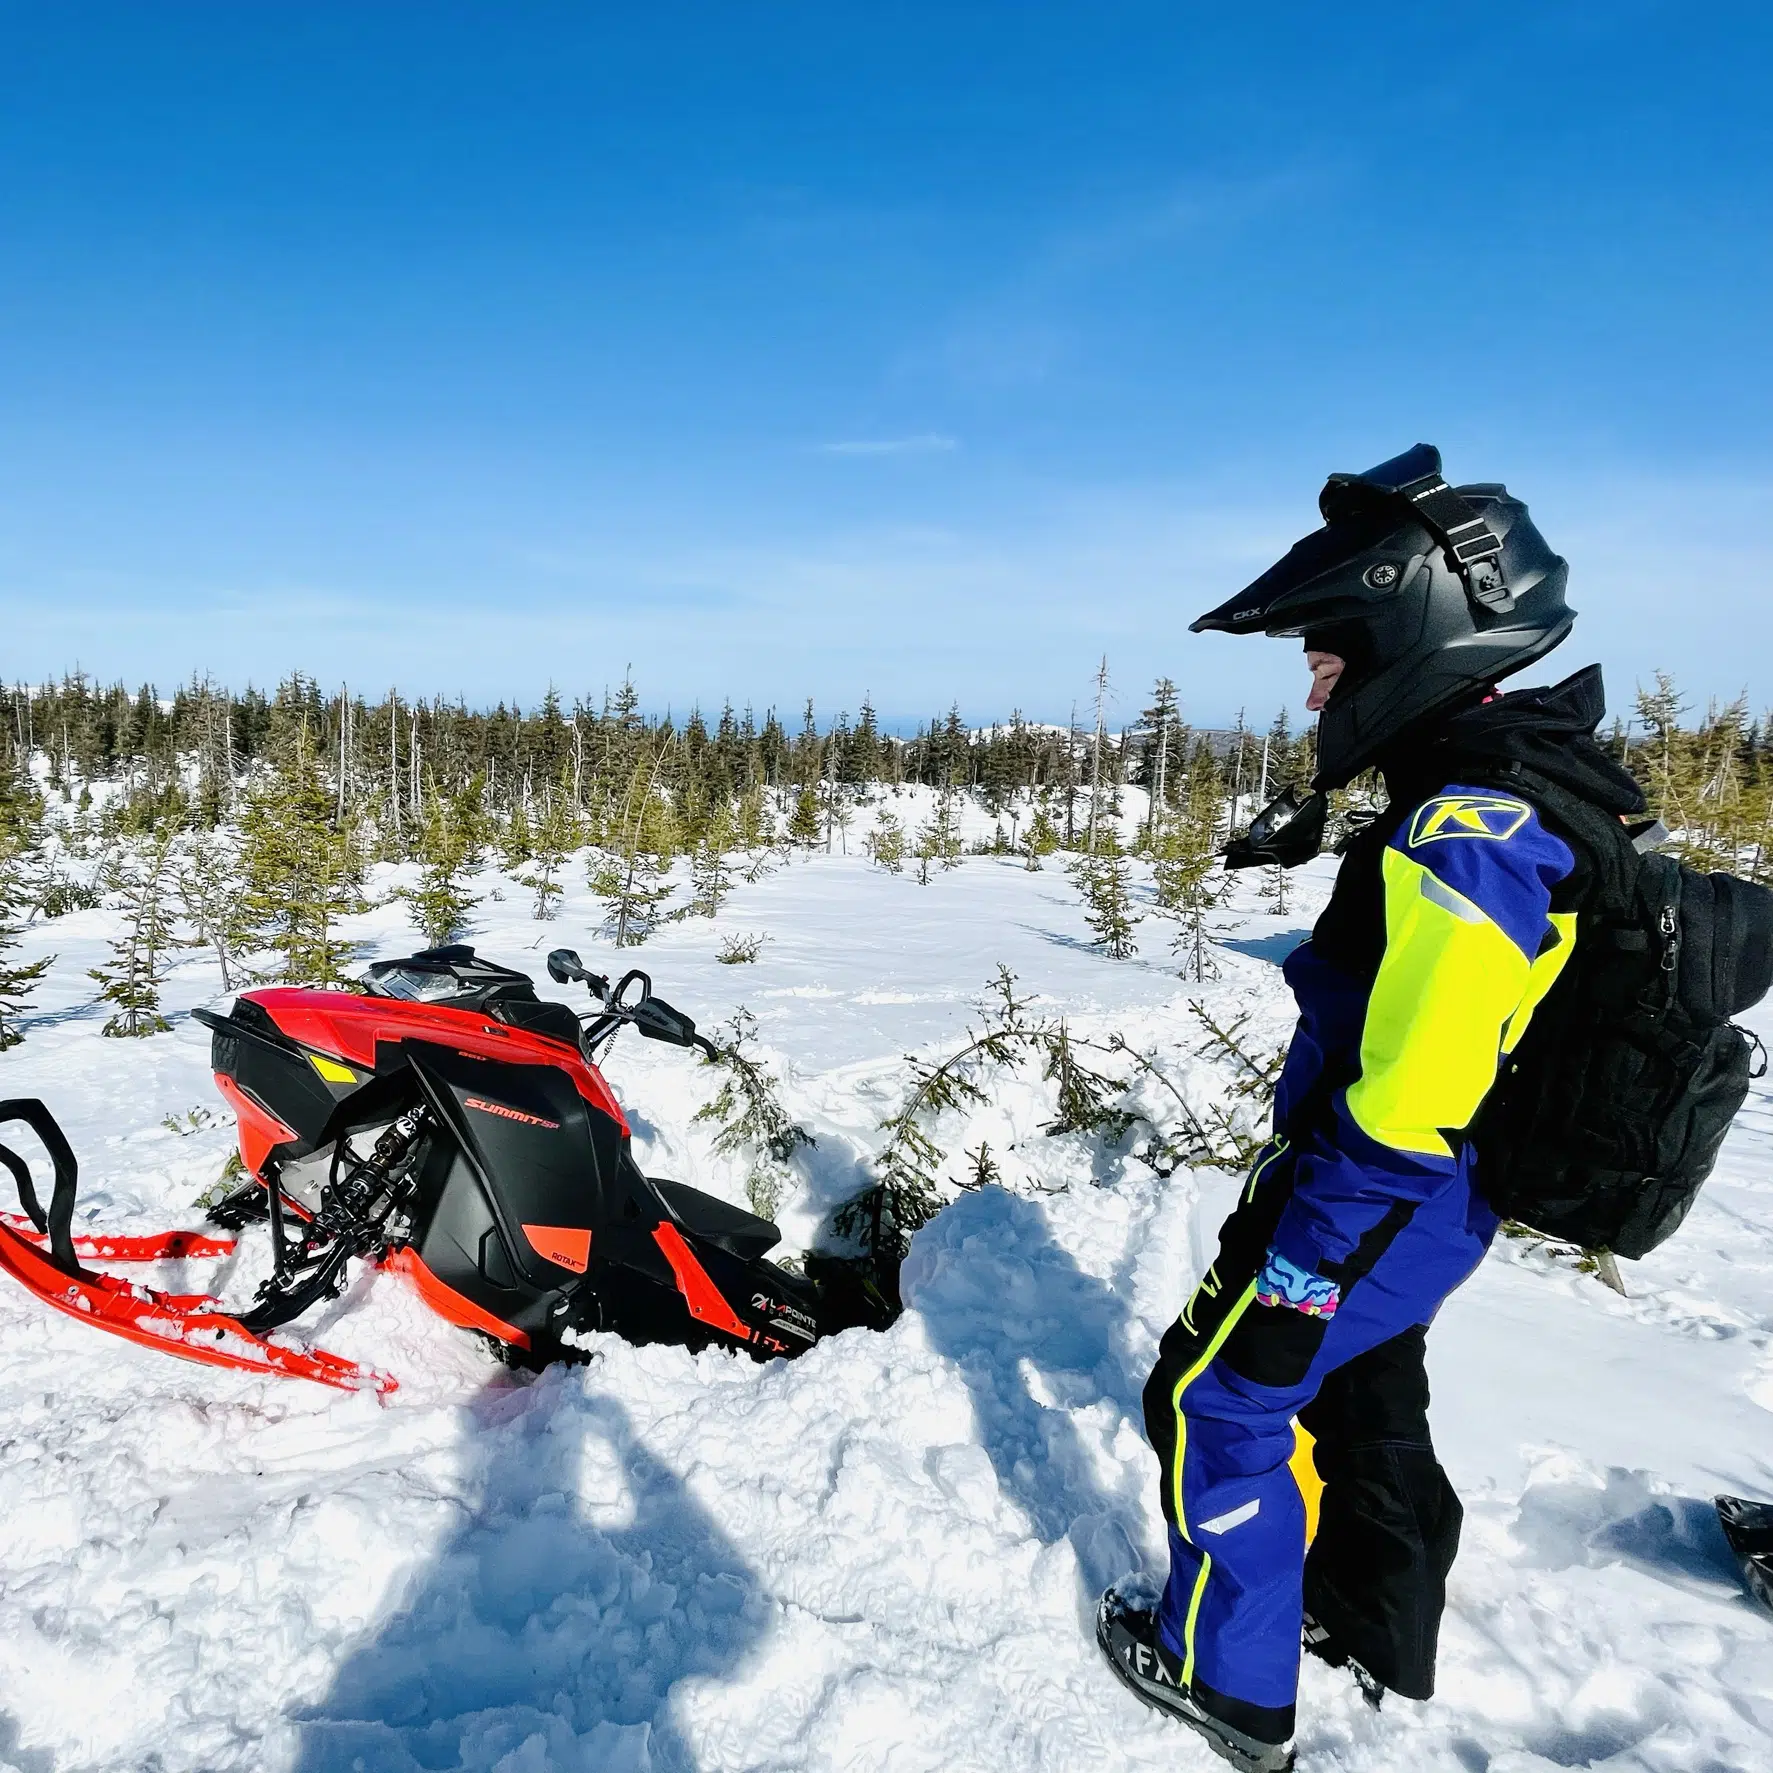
[[445, 1123]]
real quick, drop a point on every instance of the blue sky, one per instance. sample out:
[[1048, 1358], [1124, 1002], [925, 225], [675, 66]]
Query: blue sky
[[919, 351]]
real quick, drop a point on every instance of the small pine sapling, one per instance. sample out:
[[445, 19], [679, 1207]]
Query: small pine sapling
[[1040, 839], [1104, 877], [711, 867], [142, 884], [449, 847], [803, 823], [748, 1116], [210, 894], [886, 843], [554, 837], [740, 950]]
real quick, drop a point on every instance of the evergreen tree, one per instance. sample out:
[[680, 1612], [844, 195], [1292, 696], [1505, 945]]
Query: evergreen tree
[[300, 872], [711, 872], [210, 893], [755, 829], [518, 842], [1041, 838], [21, 825], [1186, 874], [886, 843], [633, 877], [142, 881], [1273, 891], [803, 826], [554, 837], [449, 846], [1104, 877], [633, 887], [862, 759], [1163, 748], [939, 839]]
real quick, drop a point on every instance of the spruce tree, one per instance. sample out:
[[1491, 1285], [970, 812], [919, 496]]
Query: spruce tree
[[21, 815], [1186, 871], [803, 825], [886, 843], [518, 841], [1041, 838], [210, 894], [301, 873], [632, 876], [1104, 877], [755, 829], [142, 882], [449, 848], [711, 871], [553, 837]]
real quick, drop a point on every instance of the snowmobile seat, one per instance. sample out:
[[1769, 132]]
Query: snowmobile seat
[[740, 1233]]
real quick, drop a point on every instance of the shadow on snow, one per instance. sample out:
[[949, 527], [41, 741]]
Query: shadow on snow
[[1035, 1338], [545, 1637]]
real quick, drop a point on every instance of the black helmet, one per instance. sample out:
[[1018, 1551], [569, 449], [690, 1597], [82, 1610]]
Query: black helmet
[[1429, 594]]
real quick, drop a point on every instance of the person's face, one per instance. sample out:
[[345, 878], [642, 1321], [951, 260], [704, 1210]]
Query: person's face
[[1325, 668]]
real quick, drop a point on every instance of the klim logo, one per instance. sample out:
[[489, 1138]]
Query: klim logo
[[504, 1113], [1468, 815]]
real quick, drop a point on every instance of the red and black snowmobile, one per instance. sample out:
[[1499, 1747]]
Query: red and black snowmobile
[[449, 1125]]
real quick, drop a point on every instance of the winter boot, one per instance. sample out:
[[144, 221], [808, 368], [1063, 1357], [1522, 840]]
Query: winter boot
[[1316, 1641], [1128, 1636], [1748, 1526]]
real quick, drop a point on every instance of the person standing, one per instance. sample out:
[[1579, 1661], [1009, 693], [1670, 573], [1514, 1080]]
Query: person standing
[[1452, 916]]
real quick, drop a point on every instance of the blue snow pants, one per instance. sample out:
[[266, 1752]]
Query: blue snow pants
[[1231, 1378]]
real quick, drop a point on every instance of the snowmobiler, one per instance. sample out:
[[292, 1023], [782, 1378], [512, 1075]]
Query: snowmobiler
[[447, 1124], [1503, 866]]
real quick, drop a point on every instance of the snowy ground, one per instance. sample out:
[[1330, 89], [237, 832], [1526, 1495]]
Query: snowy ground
[[885, 1555]]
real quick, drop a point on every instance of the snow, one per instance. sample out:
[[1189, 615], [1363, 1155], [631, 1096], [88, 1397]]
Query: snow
[[884, 1555]]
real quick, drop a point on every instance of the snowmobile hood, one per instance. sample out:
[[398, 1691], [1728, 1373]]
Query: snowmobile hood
[[1550, 731]]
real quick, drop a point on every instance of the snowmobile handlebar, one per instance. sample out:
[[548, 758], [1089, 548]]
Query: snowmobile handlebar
[[651, 1017], [57, 1223]]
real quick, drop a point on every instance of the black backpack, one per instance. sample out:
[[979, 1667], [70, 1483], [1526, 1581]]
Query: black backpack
[[1606, 1119]]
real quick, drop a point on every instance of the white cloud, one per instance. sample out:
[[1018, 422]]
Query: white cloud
[[927, 443]]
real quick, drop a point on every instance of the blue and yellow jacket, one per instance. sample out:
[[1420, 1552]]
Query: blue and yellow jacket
[[1451, 919]]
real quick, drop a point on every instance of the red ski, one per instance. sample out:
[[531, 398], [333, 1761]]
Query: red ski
[[40, 1251]]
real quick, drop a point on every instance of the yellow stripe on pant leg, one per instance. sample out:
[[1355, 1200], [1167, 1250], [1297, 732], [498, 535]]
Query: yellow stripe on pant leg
[[1182, 1384]]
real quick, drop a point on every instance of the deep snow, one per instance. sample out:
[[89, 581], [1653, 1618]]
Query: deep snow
[[885, 1555]]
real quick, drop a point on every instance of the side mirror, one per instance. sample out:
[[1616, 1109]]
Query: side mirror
[[564, 966], [657, 1020], [1288, 831]]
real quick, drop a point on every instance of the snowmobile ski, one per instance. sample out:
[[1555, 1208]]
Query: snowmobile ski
[[43, 1255], [1748, 1526]]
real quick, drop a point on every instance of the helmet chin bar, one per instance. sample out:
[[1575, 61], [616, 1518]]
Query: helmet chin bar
[[1473, 549]]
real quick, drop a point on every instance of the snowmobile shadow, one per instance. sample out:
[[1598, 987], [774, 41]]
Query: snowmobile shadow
[[550, 1630], [1035, 1339]]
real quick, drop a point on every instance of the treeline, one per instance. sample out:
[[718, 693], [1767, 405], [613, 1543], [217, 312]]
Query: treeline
[[195, 752]]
